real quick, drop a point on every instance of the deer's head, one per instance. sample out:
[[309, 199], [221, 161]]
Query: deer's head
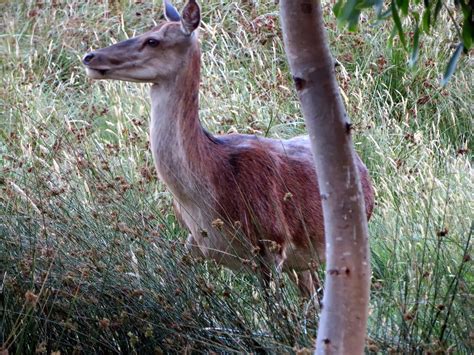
[[152, 57]]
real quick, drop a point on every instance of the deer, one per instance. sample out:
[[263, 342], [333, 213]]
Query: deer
[[249, 202]]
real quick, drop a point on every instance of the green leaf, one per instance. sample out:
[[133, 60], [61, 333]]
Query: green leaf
[[393, 32], [416, 46], [416, 16], [466, 9], [468, 26], [346, 12], [403, 6], [439, 5], [426, 20], [364, 4], [451, 67], [398, 24], [468, 33], [353, 20], [337, 8]]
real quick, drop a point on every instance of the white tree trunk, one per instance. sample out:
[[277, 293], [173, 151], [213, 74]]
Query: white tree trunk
[[343, 323]]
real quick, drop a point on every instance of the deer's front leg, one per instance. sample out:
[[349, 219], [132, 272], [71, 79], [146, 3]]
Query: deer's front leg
[[191, 245]]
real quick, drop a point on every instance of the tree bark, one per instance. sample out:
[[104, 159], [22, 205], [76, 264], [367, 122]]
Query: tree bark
[[343, 322]]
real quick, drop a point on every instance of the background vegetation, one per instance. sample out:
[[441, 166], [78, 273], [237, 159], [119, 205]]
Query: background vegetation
[[91, 256]]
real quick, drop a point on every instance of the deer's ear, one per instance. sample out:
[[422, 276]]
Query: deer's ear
[[191, 17], [171, 14]]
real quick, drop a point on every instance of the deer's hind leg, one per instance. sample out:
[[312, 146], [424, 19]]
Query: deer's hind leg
[[304, 282], [308, 285]]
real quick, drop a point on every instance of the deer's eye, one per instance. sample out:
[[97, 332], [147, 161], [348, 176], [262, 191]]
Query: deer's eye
[[152, 42]]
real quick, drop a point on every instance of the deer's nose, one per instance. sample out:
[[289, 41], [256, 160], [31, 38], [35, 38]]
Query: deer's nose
[[87, 58]]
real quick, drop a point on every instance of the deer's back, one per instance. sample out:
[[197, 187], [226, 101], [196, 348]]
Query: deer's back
[[270, 188]]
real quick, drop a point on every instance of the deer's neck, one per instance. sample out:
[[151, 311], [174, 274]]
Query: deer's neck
[[181, 148]]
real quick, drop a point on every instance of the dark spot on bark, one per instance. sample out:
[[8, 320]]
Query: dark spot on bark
[[348, 272], [299, 83], [334, 272], [306, 8], [326, 341], [324, 197], [348, 127]]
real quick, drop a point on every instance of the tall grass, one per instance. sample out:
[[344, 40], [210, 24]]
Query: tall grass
[[91, 256]]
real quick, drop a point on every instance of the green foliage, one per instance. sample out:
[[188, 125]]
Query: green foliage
[[416, 44], [91, 255], [468, 24], [398, 24], [348, 13], [453, 62]]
